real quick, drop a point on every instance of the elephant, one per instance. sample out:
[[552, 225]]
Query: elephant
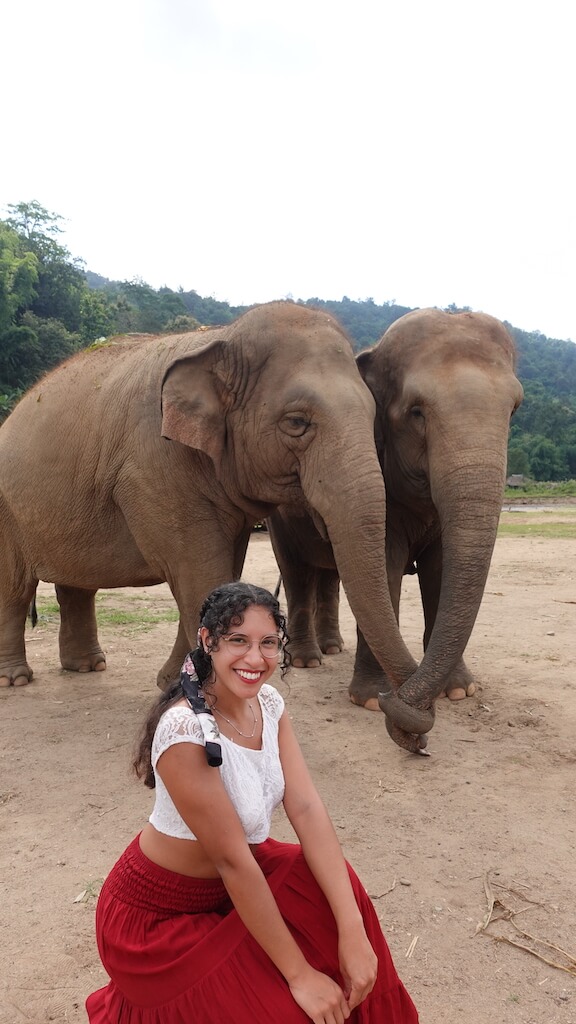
[[149, 458], [445, 389]]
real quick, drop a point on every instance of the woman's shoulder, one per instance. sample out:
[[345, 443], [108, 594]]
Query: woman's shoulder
[[272, 701], [178, 723], [178, 712]]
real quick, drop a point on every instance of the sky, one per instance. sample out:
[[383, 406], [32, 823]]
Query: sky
[[420, 151]]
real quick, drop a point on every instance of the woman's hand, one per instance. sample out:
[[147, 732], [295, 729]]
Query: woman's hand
[[358, 965], [320, 997]]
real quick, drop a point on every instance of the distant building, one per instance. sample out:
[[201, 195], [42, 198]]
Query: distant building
[[516, 480]]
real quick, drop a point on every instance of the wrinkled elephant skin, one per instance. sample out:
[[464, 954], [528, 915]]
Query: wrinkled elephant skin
[[149, 459], [445, 389]]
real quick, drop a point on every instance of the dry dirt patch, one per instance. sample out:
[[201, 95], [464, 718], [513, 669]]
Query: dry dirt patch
[[496, 796]]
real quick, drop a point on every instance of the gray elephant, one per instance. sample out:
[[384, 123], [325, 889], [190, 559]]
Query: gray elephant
[[445, 390], [149, 459]]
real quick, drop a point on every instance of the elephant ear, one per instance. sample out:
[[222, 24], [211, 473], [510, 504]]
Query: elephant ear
[[194, 402], [364, 362], [372, 377]]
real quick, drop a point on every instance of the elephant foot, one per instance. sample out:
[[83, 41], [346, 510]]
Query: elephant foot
[[459, 692], [370, 703], [332, 648], [329, 641], [94, 662], [364, 689], [364, 693], [305, 655], [460, 683], [18, 676], [303, 662]]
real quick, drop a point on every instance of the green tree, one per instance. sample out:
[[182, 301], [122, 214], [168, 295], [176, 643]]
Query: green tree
[[56, 342], [20, 358], [546, 461], [8, 399], [97, 318], [61, 288], [18, 276], [518, 461], [36, 224], [61, 282], [180, 325], [152, 307], [126, 316], [568, 454], [208, 311], [364, 320], [31, 348], [170, 305]]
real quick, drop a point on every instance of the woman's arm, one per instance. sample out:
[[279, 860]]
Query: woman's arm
[[202, 801], [311, 822]]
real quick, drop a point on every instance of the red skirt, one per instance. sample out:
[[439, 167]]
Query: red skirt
[[178, 953]]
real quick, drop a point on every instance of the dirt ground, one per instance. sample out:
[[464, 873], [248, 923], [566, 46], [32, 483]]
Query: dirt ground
[[489, 815]]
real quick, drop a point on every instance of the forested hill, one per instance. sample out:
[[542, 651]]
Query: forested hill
[[50, 308], [549, 361]]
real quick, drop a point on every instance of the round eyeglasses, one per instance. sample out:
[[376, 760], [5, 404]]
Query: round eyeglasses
[[269, 646]]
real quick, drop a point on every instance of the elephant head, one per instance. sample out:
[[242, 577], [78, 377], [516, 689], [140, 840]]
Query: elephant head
[[445, 389], [276, 404]]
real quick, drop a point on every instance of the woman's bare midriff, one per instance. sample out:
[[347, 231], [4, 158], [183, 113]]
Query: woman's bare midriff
[[184, 856]]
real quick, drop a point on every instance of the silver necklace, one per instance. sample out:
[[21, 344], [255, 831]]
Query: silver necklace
[[246, 735]]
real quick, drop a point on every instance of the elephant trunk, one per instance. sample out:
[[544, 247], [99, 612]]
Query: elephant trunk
[[469, 505], [350, 497]]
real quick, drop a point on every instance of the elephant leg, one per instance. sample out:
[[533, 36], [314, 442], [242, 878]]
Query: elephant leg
[[240, 549], [369, 678], [80, 650], [183, 643], [14, 669], [170, 671], [190, 596], [459, 683], [296, 542], [327, 607], [300, 589]]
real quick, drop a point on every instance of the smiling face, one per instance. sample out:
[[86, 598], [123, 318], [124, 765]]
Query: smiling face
[[239, 673]]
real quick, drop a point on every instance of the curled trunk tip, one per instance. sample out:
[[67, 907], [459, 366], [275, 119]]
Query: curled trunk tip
[[407, 740], [407, 717]]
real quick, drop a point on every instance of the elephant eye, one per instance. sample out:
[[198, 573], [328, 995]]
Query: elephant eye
[[295, 425], [416, 412]]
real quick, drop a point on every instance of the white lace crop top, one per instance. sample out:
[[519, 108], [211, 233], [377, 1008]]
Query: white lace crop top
[[253, 779]]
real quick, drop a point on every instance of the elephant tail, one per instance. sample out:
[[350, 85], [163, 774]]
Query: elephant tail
[[32, 612], [277, 587]]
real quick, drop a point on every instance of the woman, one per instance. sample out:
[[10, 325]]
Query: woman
[[205, 918]]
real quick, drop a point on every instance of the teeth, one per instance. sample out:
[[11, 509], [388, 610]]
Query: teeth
[[249, 675]]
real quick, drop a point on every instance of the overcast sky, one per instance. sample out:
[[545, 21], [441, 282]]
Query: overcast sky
[[420, 151]]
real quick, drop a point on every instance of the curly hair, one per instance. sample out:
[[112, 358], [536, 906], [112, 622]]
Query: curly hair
[[223, 609]]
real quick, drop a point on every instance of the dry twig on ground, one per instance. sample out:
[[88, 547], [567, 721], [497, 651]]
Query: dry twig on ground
[[508, 914]]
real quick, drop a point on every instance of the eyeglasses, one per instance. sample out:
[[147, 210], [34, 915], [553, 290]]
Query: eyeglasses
[[269, 646]]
